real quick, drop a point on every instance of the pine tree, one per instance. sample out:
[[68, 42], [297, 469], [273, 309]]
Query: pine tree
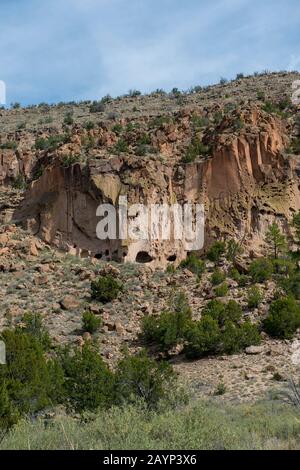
[[276, 240]]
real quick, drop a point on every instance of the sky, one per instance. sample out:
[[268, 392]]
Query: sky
[[65, 50]]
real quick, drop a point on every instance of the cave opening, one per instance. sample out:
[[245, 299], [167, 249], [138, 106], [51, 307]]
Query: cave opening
[[143, 257]]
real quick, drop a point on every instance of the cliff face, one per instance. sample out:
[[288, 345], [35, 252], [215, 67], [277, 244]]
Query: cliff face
[[245, 180], [244, 185]]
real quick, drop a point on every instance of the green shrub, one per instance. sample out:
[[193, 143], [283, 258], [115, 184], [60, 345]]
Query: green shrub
[[220, 390], [218, 117], [291, 285], [234, 274], [32, 381], [90, 322], [233, 249], [199, 121], [159, 121], [276, 107], [88, 142], [216, 251], [261, 270], [89, 125], [11, 145], [261, 95], [142, 378], [295, 146], [19, 182], [283, 318], [296, 226], [193, 264], [237, 337], [215, 309], [9, 415], [121, 146], [217, 277], [33, 324], [145, 139], [221, 312], [194, 150], [105, 288], [238, 124], [254, 297], [242, 280], [168, 329], [270, 107], [89, 384], [117, 128], [134, 93], [250, 335], [68, 119], [222, 290], [97, 107], [51, 143], [202, 338], [284, 267], [69, 160], [233, 311], [142, 150]]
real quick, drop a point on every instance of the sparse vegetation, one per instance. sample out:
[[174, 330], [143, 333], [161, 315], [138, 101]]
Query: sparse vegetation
[[97, 107], [217, 277], [216, 251], [10, 145], [275, 240], [194, 150], [90, 322], [51, 143], [106, 288], [168, 329], [194, 264], [261, 270], [254, 297], [283, 318], [203, 425], [121, 146]]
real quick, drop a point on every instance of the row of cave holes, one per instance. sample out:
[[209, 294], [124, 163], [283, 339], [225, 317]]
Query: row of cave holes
[[142, 257]]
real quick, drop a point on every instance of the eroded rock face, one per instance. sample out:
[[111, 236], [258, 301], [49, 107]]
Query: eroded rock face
[[244, 185], [245, 180]]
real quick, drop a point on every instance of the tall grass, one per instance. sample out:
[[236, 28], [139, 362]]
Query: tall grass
[[202, 425]]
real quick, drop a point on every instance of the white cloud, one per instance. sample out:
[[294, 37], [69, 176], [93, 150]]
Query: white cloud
[[86, 48]]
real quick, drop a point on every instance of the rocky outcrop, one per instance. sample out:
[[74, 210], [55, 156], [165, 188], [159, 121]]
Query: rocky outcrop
[[245, 184], [242, 173]]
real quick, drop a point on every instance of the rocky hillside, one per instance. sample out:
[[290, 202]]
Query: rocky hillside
[[233, 147], [228, 146]]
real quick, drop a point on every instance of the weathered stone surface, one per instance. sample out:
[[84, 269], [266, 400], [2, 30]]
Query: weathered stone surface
[[69, 302], [255, 349]]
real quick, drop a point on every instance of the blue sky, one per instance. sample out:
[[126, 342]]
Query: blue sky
[[54, 50]]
